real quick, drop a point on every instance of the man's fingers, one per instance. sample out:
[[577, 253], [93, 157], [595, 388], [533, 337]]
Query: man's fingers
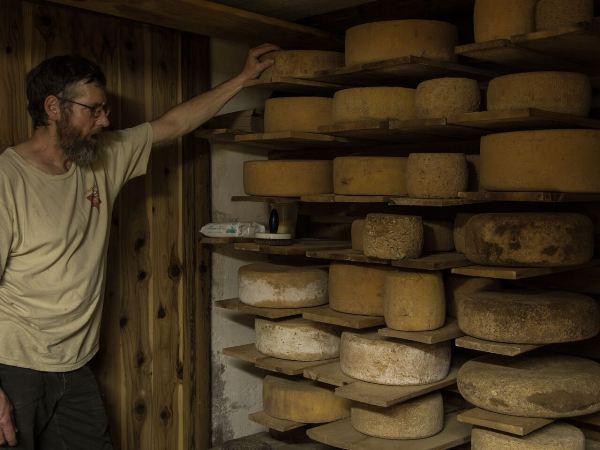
[[257, 52], [8, 433]]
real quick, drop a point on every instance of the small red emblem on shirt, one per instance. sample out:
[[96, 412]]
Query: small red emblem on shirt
[[94, 197]]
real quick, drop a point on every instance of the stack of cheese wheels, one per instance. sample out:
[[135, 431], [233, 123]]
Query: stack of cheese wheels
[[373, 103], [460, 223], [300, 63], [297, 113], [436, 175], [553, 14], [302, 401], [358, 228], [378, 41], [501, 20], [458, 286], [529, 239], [267, 285], [391, 236], [415, 419], [288, 178], [549, 386], [438, 236], [414, 301], [541, 160], [555, 436], [369, 175], [370, 357], [561, 92], [515, 316], [443, 97], [357, 289]]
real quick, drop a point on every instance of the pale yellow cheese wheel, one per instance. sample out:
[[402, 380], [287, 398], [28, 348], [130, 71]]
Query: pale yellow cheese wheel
[[369, 175], [458, 286], [541, 160], [495, 19], [288, 178], [300, 63], [443, 97], [393, 236], [297, 113], [373, 103], [556, 436], [436, 175], [358, 227], [438, 236], [378, 41], [553, 14], [561, 92]]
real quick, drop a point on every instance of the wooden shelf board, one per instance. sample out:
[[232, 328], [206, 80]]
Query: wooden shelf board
[[219, 135], [346, 254], [247, 353], [273, 423], [292, 140], [498, 348], [515, 273], [287, 367], [435, 202], [329, 373], [434, 127], [234, 304], [325, 314], [263, 199], [520, 426], [339, 434], [222, 240], [546, 197], [299, 247], [295, 85], [433, 261], [446, 333]]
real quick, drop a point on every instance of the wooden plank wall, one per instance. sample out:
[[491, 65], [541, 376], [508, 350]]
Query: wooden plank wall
[[154, 363]]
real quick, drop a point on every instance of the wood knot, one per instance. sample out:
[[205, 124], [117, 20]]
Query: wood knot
[[140, 408], [139, 243], [140, 359], [142, 275], [162, 312], [165, 415], [174, 271], [123, 322], [179, 370]]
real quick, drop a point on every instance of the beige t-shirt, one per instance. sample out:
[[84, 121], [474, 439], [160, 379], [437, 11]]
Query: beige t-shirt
[[53, 242]]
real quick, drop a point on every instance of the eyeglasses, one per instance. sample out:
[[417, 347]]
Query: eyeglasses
[[96, 110]]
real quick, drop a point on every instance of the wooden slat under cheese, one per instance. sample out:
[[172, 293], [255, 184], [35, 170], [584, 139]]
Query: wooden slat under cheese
[[553, 14], [442, 97], [392, 236], [556, 436], [495, 19], [436, 175], [369, 175], [300, 63], [373, 103], [297, 113]]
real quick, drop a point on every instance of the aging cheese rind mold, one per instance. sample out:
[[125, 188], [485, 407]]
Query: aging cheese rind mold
[[392, 236]]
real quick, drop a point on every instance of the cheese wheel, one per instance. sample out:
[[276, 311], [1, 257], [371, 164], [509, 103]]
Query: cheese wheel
[[460, 223], [415, 419], [553, 14], [370, 357], [501, 20], [556, 436], [561, 92], [288, 178], [369, 175], [302, 401], [541, 160], [436, 175], [473, 172], [358, 227], [373, 103], [529, 239], [297, 339], [414, 301], [357, 289], [538, 385], [443, 97], [515, 316], [276, 286], [391, 236], [438, 236], [299, 63], [378, 41], [458, 286], [297, 113]]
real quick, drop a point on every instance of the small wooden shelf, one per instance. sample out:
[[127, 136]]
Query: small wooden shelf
[[520, 426], [299, 247], [263, 199], [516, 273], [330, 373], [246, 353], [435, 202], [234, 304], [335, 198], [273, 423], [220, 135], [546, 197], [325, 314], [295, 86], [222, 240], [446, 333], [292, 140], [498, 348], [345, 254]]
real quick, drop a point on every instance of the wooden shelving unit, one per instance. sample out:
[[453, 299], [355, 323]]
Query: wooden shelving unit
[[293, 140], [325, 314], [516, 273], [295, 86], [281, 425], [537, 197], [329, 374], [234, 304], [499, 348], [446, 333], [299, 248], [520, 426]]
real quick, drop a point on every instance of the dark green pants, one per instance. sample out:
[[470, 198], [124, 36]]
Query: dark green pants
[[56, 411]]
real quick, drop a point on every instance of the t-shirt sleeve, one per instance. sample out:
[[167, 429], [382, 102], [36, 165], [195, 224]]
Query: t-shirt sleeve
[[6, 233]]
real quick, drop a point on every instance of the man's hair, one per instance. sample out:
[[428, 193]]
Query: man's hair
[[55, 76]]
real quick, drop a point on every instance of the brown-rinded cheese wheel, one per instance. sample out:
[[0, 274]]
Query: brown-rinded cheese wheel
[[556, 436], [438, 236], [443, 97], [358, 228], [369, 175], [392, 236], [297, 113], [458, 286], [553, 14], [501, 20], [436, 175], [373, 103], [300, 63]]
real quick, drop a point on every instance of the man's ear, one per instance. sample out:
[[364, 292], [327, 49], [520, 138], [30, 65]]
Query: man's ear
[[52, 107]]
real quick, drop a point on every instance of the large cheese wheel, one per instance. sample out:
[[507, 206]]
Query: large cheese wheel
[[460, 223], [357, 230], [438, 236], [415, 419], [297, 339], [501, 20], [373, 103], [302, 401], [529, 239], [288, 178], [553, 14], [549, 386], [443, 97], [515, 316], [378, 41], [369, 175], [436, 175], [541, 160], [414, 301], [277, 286], [458, 286], [562, 92], [300, 63], [357, 289], [370, 357], [391, 236], [556, 436], [297, 113]]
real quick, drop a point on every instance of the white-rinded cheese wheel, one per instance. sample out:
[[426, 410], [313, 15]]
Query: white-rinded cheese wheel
[[541, 160], [297, 113], [458, 286], [300, 63], [532, 385], [515, 316], [358, 228], [392, 236], [277, 286], [288, 178], [501, 20], [562, 92], [556, 436], [473, 172], [414, 301], [529, 239], [369, 175], [370, 357], [460, 222], [443, 97], [357, 289], [373, 103], [378, 41], [302, 401], [436, 175], [553, 14], [415, 419], [297, 339], [438, 236]]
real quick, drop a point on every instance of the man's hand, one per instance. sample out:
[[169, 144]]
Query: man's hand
[[253, 67], [8, 432]]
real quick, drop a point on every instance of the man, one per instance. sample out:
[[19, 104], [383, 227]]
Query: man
[[56, 194]]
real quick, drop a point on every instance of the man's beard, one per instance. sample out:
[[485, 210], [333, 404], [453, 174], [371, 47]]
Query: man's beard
[[82, 152]]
